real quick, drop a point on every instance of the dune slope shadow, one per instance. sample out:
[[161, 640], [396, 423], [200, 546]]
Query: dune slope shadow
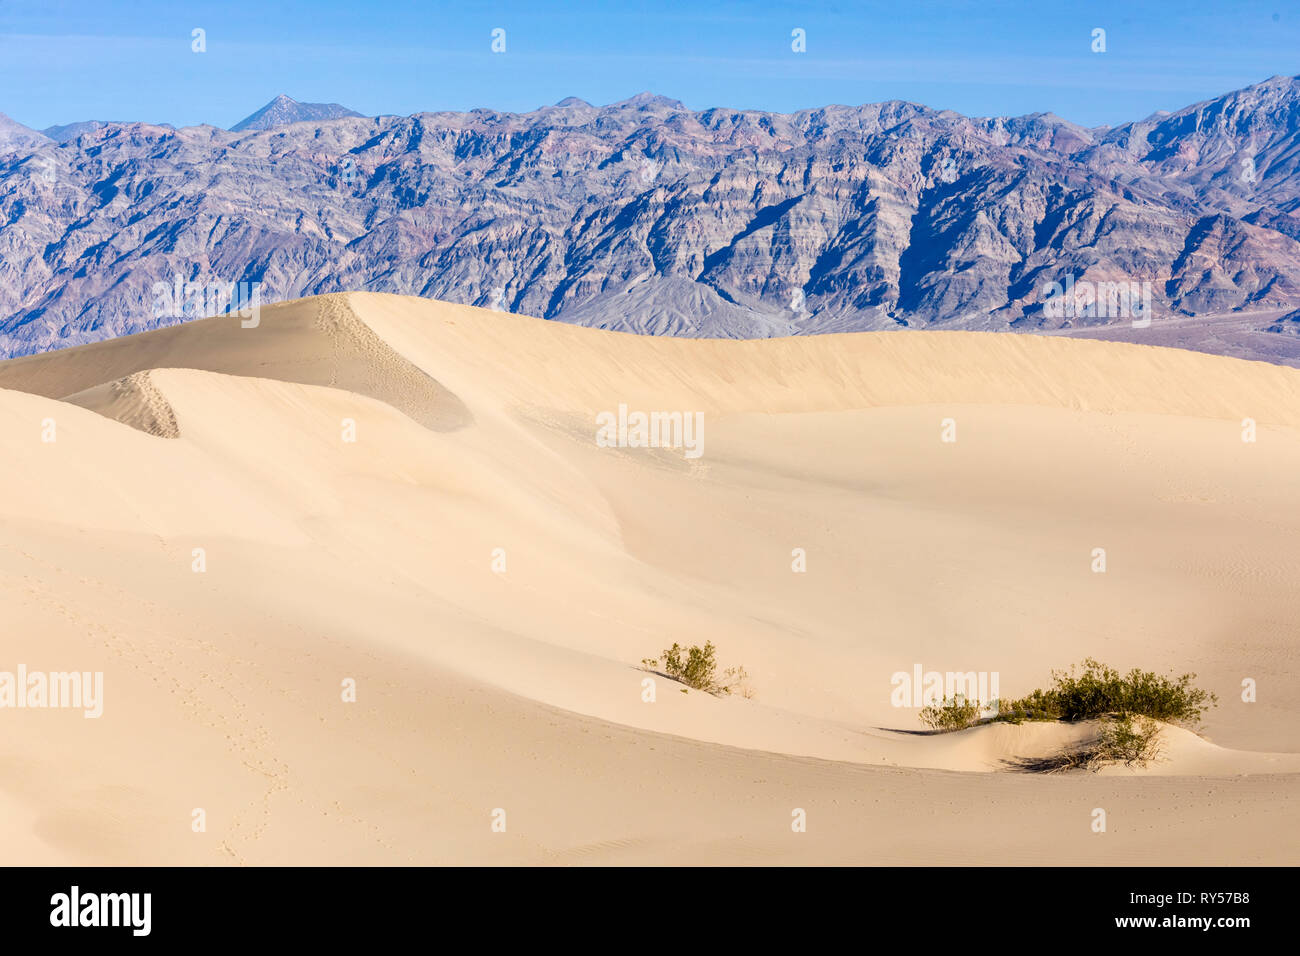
[[316, 341]]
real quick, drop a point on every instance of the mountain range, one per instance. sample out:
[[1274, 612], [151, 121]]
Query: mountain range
[[646, 216]]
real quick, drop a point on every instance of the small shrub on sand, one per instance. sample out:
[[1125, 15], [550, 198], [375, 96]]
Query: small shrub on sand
[[954, 713], [1127, 705], [1100, 691], [697, 667], [1127, 740]]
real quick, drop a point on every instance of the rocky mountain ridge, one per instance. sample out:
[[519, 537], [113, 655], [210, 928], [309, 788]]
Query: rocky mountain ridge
[[650, 217]]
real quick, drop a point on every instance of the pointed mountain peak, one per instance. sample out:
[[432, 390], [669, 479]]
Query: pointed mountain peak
[[284, 110]]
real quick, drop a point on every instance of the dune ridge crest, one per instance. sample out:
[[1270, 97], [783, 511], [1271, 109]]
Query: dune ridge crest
[[410, 495]]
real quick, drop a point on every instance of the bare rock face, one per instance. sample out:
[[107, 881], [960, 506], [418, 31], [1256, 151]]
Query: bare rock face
[[67, 132], [649, 217], [1288, 324], [17, 138]]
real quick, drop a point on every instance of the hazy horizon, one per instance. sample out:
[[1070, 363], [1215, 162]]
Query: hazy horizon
[[599, 105], [1001, 59]]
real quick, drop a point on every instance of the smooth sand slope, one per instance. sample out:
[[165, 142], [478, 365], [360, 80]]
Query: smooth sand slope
[[477, 689]]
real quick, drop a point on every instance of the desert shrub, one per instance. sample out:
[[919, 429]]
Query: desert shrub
[[954, 713], [1100, 691], [1125, 740], [697, 667], [1034, 707]]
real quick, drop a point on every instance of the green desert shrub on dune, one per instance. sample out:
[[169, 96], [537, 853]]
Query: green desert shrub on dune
[[1095, 690], [951, 713], [1128, 740], [1127, 707], [697, 667], [1132, 741]]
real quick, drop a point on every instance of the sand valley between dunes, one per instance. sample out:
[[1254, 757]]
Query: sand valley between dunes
[[491, 577]]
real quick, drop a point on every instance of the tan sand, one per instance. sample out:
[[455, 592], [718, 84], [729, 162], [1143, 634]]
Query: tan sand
[[476, 690]]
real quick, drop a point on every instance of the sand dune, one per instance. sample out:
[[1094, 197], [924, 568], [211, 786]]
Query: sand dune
[[375, 560]]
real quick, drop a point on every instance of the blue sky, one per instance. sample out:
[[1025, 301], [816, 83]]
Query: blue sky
[[66, 60]]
